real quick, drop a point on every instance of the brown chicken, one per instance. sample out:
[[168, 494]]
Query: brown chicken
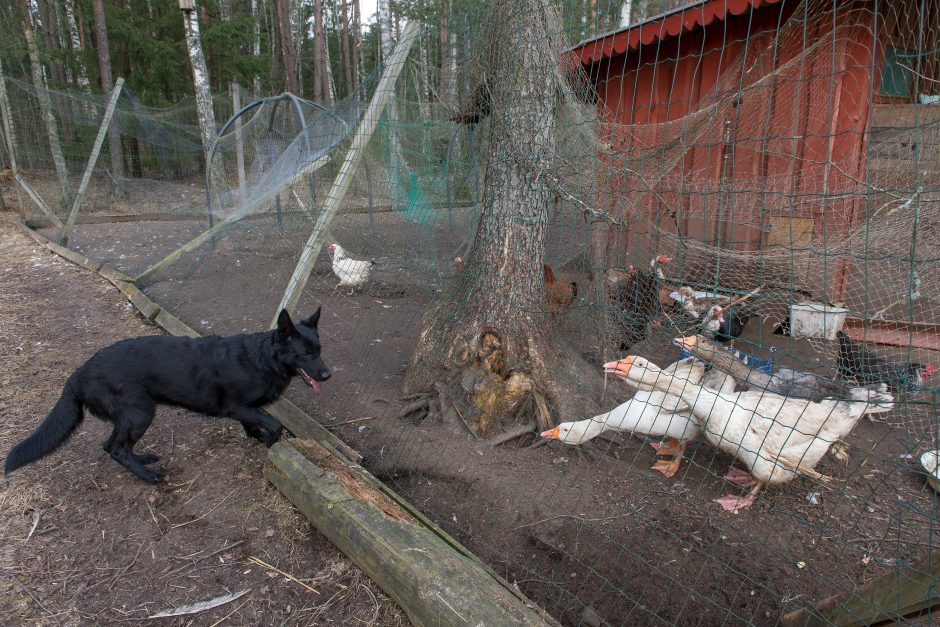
[[560, 296]]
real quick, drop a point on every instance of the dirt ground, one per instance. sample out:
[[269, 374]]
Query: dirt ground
[[592, 538], [84, 542]]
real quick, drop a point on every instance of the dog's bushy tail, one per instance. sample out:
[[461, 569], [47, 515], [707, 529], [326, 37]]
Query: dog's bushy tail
[[51, 434]]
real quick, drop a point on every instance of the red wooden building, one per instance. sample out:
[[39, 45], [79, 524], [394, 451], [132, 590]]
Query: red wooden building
[[751, 121]]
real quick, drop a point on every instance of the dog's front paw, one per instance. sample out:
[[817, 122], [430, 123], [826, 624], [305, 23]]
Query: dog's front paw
[[151, 476], [272, 438], [256, 432]]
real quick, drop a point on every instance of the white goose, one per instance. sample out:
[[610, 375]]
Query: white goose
[[777, 437], [652, 413]]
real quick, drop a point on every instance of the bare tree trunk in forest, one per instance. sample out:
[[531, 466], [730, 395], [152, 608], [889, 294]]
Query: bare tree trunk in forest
[[76, 45], [489, 341], [48, 24], [357, 43], [423, 82], [444, 35], [282, 13], [45, 104], [348, 64], [197, 60], [626, 9], [320, 54], [104, 69], [256, 45], [450, 94]]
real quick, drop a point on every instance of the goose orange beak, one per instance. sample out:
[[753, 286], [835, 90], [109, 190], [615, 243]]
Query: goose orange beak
[[620, 367], [552, 434], [686, 342]]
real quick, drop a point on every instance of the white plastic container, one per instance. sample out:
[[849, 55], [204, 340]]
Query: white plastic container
[[931, 464], [815, 320]]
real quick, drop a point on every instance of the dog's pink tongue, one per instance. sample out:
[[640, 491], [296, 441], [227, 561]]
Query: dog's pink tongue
[[315, 385]]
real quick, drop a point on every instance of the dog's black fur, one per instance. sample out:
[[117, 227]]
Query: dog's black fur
[[219, 376]]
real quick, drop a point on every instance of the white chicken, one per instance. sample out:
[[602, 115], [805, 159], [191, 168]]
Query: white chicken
[[352, 273], [777, 437]]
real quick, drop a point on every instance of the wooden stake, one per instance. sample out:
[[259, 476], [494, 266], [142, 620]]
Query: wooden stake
[[92, 160], [383, 94]]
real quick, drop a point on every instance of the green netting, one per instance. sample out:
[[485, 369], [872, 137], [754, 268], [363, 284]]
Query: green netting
[[786, 153]]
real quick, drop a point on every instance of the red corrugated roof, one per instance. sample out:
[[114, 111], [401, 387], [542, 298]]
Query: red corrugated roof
[[685, 18]]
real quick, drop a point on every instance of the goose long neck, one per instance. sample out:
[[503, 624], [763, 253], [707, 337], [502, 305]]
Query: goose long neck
[[594, 426], [702, 400]]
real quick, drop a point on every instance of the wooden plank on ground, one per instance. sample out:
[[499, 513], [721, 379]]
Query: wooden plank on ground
[[904, 593], [432, 582]]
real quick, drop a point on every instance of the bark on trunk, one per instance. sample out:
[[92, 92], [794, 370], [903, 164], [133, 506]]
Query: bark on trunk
[[282, 11], [320, 54], [492, 336], [347, 59], [626, 10], [423, 82], [445, 45], [76, 45], [197, 60], [104, 69], [357, 43], [256, 45], [45, 103]]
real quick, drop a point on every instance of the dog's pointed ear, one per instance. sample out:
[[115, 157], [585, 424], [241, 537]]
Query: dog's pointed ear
[[285, 327], [314, 319]]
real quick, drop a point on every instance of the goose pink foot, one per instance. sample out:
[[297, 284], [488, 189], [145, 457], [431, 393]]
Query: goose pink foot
[[732, 503], [741, 478]]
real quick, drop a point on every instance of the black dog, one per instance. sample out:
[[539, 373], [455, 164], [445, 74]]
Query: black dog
[[219, 376]]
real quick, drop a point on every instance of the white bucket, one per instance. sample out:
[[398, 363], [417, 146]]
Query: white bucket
[[816, 320]]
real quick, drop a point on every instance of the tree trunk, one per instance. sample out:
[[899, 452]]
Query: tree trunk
[[48, 24], [197, 59], [256, 45], [491, 338], [76, 45], [104, 69], [626, 9], [282, 12], [443, 38], [347, 59], [423, 82], [45, 104], [320, 54], [357, 43], [450, 94]]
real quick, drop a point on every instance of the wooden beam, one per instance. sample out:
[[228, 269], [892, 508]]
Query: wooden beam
[[904, 593], [430, 581], [92, 161], [39, 201], [209, 233], [383, 93], [894, 333]]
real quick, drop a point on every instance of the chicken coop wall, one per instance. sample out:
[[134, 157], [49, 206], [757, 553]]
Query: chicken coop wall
[[754, 123]]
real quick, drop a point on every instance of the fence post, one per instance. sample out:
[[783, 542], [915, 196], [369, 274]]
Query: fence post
[[383, 93], [92, 160]]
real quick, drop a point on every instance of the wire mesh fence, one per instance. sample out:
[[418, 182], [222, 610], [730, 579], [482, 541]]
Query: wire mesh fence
[[755, 175]]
